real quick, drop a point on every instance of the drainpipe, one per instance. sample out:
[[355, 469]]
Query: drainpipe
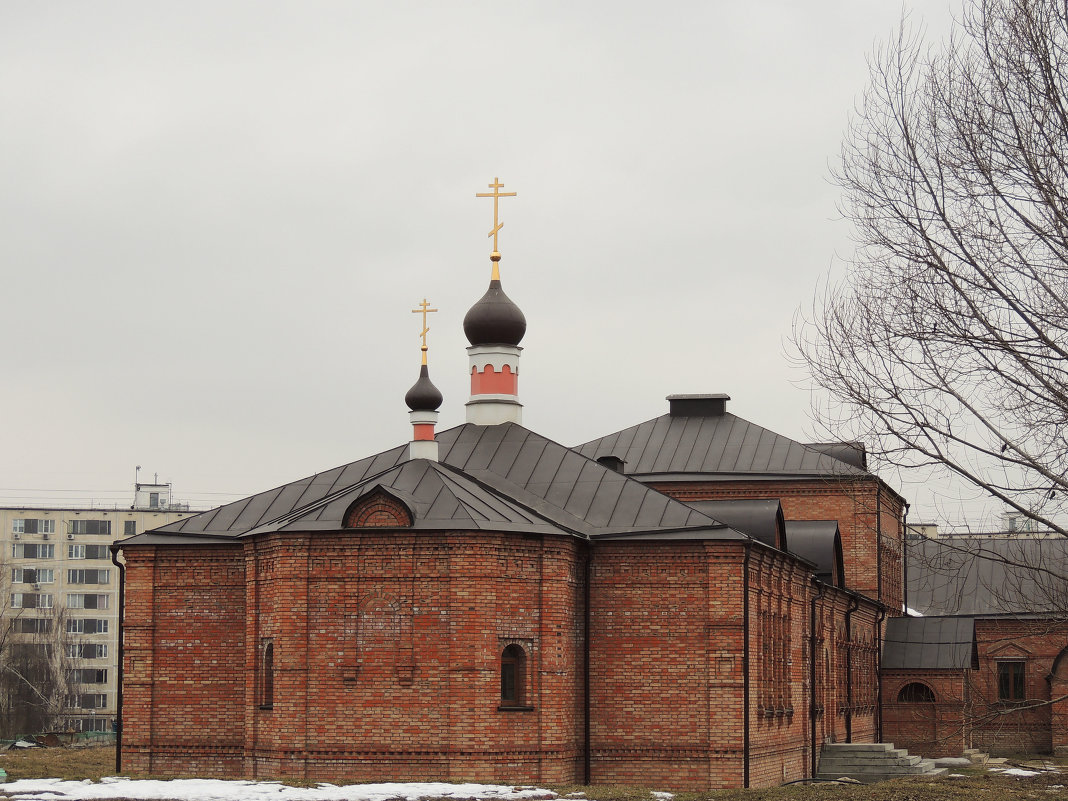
[[905, 557], [878, 674], [812, 671], [118, 677], [745, 665], [586, 759], [853, 605]]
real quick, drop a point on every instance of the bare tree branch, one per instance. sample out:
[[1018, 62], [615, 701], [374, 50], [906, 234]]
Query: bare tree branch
[[946, 344]]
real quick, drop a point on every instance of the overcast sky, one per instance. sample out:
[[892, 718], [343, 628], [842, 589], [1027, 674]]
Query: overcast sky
[[215, 218]]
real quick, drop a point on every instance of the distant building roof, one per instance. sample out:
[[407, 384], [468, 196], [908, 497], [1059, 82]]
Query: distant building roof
[[930, 643], [502, 477], [985, 576], [698, 437]]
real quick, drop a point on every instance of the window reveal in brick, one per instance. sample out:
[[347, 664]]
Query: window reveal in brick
[[513, 677], [916, 693], [267, 673], [1011, 685]]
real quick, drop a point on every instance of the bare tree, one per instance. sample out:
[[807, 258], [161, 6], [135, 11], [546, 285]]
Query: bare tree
[[36, 680], [946, 344]]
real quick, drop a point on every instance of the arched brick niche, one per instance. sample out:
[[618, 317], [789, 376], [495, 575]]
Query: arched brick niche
[[378, 510]]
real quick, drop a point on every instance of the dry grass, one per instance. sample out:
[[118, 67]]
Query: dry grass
[[95, 762], [59, 763]]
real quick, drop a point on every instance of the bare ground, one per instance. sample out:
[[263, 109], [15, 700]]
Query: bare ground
[[977, 785]]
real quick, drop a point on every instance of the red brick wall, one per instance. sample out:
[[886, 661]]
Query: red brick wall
[[666, 667], [387, 651], [930, 729], [183, 682], [779, 595], [858, 505], [1012, 727], [387, 648], [846, 680]]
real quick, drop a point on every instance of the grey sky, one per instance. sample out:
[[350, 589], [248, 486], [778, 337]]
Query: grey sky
[[215, 218]]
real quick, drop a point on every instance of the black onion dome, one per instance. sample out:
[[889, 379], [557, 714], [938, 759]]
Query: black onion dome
[[495, 320], [423, 396]]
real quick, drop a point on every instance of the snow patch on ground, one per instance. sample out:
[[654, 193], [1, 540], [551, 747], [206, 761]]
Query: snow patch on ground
[[115, 787]]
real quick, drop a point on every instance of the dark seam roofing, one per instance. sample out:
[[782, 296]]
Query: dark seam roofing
[[722, 444], [929, 643], [489, 475]]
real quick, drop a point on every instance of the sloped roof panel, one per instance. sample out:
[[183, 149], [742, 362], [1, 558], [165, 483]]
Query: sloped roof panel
[[929, 643], [719, 444], [983, 576], [489, 476]]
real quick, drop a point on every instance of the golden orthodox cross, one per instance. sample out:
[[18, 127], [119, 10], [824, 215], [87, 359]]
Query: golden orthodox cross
[[496, 194], [424, 309]]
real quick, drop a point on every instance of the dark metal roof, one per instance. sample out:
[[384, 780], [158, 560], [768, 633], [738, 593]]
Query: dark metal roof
[[930, 643], [760, 518], [819, 542], [849, 452], [680, 446], [984, 576], [503, 477]]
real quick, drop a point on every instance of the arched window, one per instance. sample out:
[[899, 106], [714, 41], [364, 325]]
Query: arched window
[[916, 693], [513, 676], [267, 674]]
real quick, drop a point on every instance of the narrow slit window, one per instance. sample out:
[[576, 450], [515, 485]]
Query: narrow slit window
[[267, 674], [513, 670]]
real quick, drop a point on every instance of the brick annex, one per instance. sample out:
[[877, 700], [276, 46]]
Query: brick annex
[[693, 602]]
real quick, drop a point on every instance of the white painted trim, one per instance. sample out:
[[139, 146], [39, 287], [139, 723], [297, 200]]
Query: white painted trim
[[494, 412], [479, 356], [423, 449]]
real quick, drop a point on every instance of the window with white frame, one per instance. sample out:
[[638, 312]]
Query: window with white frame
[[89, 675], [33, 526], [85, 600], [89, 527], [86, 625], [78, 551], [87, 650], [81, 576], [88, 701], [33, 550], [32, 575], [31, 625], [31, 600]]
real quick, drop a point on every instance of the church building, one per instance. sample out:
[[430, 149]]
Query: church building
[[694, 602]]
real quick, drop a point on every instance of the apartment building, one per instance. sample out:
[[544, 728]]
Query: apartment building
[[59, 572]]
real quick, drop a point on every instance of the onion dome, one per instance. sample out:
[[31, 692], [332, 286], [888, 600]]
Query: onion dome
[[423, 396], [495, 320]]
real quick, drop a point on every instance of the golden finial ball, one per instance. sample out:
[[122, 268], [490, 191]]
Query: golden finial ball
[[495, 256]]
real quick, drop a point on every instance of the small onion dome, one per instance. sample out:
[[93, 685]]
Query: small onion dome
[[495, 320], [423, 396]]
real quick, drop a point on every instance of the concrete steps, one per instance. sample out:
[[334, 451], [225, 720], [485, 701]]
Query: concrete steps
[[872, 762]]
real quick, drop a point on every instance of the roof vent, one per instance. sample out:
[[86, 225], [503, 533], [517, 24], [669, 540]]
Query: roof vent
[[611, 462], [698, 405]]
